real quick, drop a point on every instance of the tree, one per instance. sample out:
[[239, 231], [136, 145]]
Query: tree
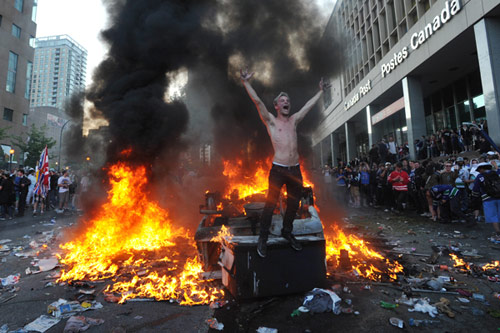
[[3, 133], [34, 144]]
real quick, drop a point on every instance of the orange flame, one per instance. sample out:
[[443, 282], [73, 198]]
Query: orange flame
[[359, 254], [132, 234], [224, 234], [458, 262], [494, 265]]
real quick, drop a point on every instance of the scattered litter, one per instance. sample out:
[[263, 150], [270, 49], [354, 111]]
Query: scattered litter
[[112, 298], [42, 323], [63, 308], [86, 291], [79, 324], [303, 309], [295, 313], [10, 280], [478, 297], [476, 311], [396, 322], [4, 328], [463, 300], [422, 305], [387, 305], [443, 306], [464, 293], [267, 330], [4, 248], [47, 264], [213, 323], [218, 304], [5, 241], [321, 300], [49, 284], [138, 317], [421, 323]]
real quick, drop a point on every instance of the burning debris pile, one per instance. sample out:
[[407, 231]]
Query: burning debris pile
[[351, 253], [133, 242]]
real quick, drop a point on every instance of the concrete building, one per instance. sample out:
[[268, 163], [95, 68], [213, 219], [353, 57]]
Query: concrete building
[[59, 70], [414, 67], [54, 120], [17, 31]]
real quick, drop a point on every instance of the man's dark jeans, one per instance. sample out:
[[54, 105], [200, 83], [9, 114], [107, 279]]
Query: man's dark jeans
[[279, 176]]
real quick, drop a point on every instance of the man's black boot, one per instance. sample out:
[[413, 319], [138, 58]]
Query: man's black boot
[[294, 243], [262, 247]]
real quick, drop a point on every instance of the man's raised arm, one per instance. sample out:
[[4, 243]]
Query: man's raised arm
[[264, 114], [309, 105]]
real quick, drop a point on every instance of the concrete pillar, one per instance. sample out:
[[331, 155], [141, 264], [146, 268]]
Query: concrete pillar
[[369, 126], [487, 33], [334, 146], [414, 111], [350, 140], [321, 153]]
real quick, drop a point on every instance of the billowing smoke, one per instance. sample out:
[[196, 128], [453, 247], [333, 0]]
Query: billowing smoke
[[210, 39]]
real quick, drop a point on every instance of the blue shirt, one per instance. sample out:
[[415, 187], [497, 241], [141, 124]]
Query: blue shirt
[[365, 178], [443, 192]]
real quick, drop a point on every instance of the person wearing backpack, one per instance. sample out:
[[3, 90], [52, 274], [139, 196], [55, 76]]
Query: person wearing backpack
[[487, 187]]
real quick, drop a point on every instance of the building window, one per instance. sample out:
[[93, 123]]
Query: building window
[[8, 114], [33, 12], [16, 31], [11, 72], [29, 71], [19, 5], [32, 41], [25, 119]]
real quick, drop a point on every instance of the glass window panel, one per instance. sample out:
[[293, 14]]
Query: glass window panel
[[16, 31], [19, 5], [11, 72], [33, 12], [8, 114], [29, 71]]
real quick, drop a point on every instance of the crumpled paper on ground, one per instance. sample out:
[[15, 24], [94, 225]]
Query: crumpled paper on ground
[[42, 323], [77, 324]]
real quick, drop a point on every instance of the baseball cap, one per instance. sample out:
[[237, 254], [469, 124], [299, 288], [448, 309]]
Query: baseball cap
[[387, 163], [491, 153], [460, 159], [484, 165]]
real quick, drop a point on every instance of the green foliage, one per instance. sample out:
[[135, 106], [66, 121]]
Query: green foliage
[[33, 145], [3, 133]]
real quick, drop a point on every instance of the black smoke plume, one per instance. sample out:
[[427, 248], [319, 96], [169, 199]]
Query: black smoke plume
[[210, 39]]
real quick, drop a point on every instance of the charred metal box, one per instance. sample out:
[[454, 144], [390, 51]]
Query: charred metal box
[[284, 271]]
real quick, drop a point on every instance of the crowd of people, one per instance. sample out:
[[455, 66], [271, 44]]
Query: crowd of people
[[452, 189], [17, 192]]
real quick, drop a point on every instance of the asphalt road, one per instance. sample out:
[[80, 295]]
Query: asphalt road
[[415, 233]]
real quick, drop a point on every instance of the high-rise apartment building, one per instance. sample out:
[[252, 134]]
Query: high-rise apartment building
[[59, 70], [413, 68], [17, 35]]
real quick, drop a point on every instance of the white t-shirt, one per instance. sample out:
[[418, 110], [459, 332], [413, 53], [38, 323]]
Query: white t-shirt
[[392, 147], [33, 182], [65, 181]]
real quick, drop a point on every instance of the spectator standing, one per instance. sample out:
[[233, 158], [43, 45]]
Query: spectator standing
[[392, 150], [7, 196], [24, 184], [399, 180], [53, 189], [32, 178], [448, 175], [63, 183], [487, 187]]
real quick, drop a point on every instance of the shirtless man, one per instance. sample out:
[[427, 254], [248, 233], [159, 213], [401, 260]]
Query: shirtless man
[[286, 169]]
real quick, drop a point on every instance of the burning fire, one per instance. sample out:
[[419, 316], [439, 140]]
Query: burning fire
[[223, 234], [360, 255], [132, 240], [246, 182], [458, 262], [494, 265]]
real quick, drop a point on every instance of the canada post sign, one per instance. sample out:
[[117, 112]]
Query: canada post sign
[[363, 90], [451, 8]]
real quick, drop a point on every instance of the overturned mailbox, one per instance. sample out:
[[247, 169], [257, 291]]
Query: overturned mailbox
[[283, 271]]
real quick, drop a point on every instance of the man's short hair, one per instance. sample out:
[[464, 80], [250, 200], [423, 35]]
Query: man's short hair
[[278, 97]]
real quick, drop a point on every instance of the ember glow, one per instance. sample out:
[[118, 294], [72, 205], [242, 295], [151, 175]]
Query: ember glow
[[493, 265], [365, 261], [132, 240]]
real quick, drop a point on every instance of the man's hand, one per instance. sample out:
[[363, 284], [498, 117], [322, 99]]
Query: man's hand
[[323, 85], [245, 76]]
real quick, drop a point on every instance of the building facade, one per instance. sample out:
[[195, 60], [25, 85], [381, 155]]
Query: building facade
[[59, 71], [17, 35], [413, 67]]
